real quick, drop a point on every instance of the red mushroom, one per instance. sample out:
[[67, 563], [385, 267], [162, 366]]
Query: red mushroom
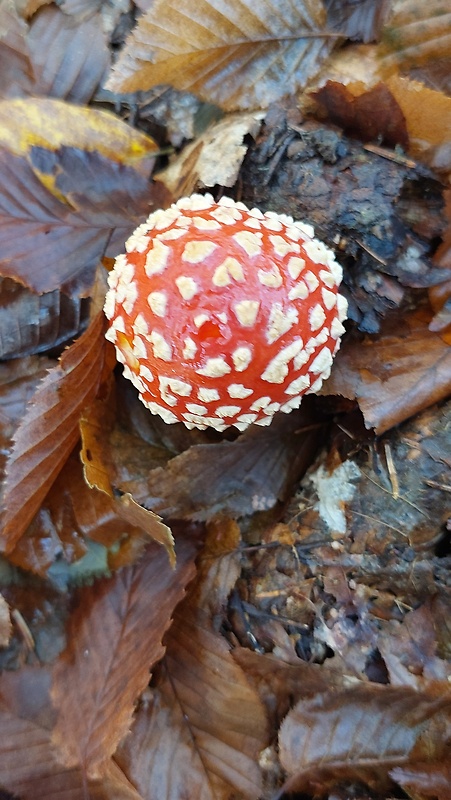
[[223, 315]]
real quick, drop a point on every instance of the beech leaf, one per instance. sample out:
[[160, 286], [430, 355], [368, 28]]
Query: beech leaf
[[232, 478], [114, 639], [202, 731], [15, 65], [26, 720], [240, 56], [72, 181], [49, 431], [395, 374], [32, 323], [69, 58], [360, 734]]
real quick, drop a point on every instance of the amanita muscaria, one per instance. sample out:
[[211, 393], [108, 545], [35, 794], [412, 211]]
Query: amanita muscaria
[[223, 315]]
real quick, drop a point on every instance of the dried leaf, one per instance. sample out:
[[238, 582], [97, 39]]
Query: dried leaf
[[240, 57], [279, 683], [70, 515], [95, 458], [396, 374], [114, 640], [416, 33], [359, 21], [424, 780], [370, 115], [360, 734], [18, 382], [410, 650], [32, 323], [69, 58], [214, 158], [5, 623], [72, 180], [15, 64], [26, 720], [49, 431], [427, 116], [231, 478], [201, 733]]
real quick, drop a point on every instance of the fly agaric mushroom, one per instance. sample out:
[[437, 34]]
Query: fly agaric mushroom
[[223, 315]]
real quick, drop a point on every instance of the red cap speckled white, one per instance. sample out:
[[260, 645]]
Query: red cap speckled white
[[223, 315]]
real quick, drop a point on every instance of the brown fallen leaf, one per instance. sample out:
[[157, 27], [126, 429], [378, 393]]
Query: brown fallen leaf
[[424, 780], [74, 183], [252, 473], [395, 374], [239, 57], [280, 683], [68, 60], [361, 21], [26, 720], [361, 734], [199, 732], [410, 650], [19, 379], [71, 517], [372, 115], [114, 640], [32, 323], [94, 422], [15, 63], [49, 431]]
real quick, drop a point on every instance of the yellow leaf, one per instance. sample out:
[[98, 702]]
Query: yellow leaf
[[48, 123]]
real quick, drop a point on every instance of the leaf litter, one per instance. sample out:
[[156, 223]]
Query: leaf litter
[[307, 647]]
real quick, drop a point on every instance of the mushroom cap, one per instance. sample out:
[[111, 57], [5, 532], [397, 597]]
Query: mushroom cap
[[223, 315]]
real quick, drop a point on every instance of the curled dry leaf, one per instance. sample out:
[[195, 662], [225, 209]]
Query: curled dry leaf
[[69, 59], [214, 158], [55, 220], [114, 639], [95, 458], [72, 517], [239, 57], [361, 734], [49, 431], [5, 623], [395, 374]]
